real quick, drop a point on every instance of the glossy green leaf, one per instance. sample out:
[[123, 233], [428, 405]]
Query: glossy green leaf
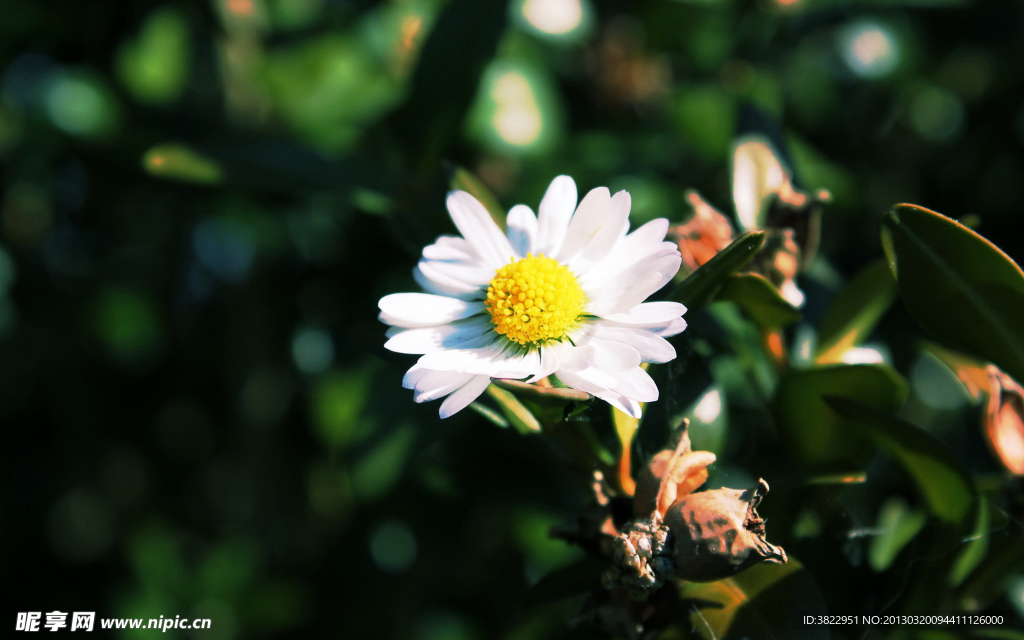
[[758, 603], [957, 285], [943, 482], [759, 299], [701, 286], [855, 312], [816, 436]]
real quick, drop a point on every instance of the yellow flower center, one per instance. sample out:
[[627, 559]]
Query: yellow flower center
[[534, 299]]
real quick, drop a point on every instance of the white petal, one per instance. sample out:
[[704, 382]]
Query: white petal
[[522, 229], [412, 310], [549, 363], [610, 302], [636, 384], [581, 380], [651, 347], [673, 328], [437, 384], [586, 223], [649, 313], [554, 213], [642, 243], [442, 284], [460, 399], [584, 381], [450, 248], [612, 231], [460, 335], [614, 355], [493, 360], [477, 227]]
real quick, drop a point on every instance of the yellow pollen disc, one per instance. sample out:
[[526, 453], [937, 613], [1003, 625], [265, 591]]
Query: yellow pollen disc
[[534, 299]]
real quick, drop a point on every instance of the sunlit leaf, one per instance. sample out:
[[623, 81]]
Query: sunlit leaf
[[701, 286], [516, 413], [178, 162], [898, 523], [814, 433], [625, 428], [377, 471], [155, 66], [759, 299], [337, 403], [854, 313], [975, 547], [758, 603], [943, 482], [489, 414], [957, 285]]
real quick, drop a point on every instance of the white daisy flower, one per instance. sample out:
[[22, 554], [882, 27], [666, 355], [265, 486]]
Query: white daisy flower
[[561, 294]]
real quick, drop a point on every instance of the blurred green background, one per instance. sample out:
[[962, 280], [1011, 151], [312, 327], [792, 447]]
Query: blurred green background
[[201, 202]]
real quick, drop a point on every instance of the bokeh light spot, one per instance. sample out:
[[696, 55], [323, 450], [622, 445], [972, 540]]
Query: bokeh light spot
[[553, 17], [869, 49], [393, 546], [936, 114], [517, 118], [312, 350]]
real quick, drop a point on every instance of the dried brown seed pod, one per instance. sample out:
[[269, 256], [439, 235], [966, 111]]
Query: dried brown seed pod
[[642, 557], [718, 533]]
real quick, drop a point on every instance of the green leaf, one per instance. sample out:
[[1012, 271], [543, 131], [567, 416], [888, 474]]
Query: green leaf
[[759, 299], [758, 603], [855, 312], [178, 162], [818, 437], [490, 414], [521, 418], [943, 482], [957, 285], [155, 66], [379, 470], [700, 287], [975, 548], [898, 524]]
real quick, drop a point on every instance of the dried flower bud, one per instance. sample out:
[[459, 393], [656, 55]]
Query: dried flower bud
[[643, 558], [703, 235], [670, 475], [1004, 420], [718, 533], [779, 261]]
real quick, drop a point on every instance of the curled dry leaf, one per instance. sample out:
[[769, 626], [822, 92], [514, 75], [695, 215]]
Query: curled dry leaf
[[1004, 420], [670, 475], [701, 237]]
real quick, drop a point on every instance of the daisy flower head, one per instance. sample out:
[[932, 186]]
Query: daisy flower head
[[561, 293]]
